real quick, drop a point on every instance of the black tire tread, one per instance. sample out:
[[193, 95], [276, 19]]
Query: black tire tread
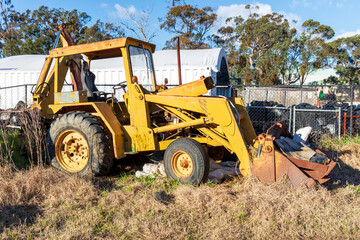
[[101, 153], [197, 153]]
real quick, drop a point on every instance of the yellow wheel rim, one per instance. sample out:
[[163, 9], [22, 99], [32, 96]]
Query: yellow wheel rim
[[72, 151], [181, 164]]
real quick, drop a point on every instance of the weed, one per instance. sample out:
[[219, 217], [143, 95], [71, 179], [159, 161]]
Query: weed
[[211, 183], [104, 194], [128, 188], [356, 189], [241, 216], [122, 178], [146, 180]]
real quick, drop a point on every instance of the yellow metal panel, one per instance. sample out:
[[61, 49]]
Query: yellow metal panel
[[205, 140], [89, 48], [195, 88], [143, 137], [113, 125], [99, 50], [56, 79], [213, 107], [245, 123], [70, 97]]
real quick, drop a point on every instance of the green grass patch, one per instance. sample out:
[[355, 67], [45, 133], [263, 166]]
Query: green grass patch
[[12, 147], [333, 143]]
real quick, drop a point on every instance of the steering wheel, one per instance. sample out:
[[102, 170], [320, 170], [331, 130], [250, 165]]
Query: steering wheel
[[122, 85]]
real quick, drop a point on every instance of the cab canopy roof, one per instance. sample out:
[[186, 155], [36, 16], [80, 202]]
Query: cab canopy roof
[[164, 59], [100, 50]]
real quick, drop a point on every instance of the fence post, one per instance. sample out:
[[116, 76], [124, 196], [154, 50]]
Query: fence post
[[351, 108], [294, 120], [339, 123], [345, 123], [284, 98], [26, 101], [290, 118], [267, 94], [248, 95]]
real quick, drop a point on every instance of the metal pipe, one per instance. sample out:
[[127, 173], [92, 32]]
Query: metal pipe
[[290, 119], [26, 96], [57, 39], [339, 127], [259, 150], [178, 59], [180, 125], [345, 120], [351, 109], [294, 119], [45, 70]]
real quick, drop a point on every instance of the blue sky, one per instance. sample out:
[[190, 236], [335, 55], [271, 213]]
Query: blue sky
[[342, 15]]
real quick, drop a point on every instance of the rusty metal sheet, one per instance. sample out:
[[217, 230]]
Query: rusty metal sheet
[[272, 165]]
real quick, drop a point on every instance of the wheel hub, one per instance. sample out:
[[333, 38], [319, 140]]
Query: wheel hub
[[182, 164], [72, 151]]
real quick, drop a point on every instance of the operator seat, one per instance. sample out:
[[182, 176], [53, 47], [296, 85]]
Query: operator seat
[[88, 80]]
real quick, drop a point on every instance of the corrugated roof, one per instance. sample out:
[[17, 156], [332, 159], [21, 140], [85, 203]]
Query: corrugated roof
[[162, 59]]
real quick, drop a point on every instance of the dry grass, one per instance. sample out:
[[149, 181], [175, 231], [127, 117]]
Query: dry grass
[[42, 203]]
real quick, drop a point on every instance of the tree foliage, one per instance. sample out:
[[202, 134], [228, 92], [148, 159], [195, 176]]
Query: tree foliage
[[346, 55], [190, 24], [266, 50], [255, 46], [34, 32]]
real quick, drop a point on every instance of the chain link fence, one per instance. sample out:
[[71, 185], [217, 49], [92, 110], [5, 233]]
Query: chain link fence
[[11, 96], [263, 117], [330, 109], [322, 121]]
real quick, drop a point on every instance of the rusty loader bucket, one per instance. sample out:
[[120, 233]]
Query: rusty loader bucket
[[279, 155]]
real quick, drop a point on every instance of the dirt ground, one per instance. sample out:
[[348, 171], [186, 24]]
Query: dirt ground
[[42, 203]]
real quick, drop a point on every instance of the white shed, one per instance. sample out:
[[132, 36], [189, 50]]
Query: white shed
[[25, 69]]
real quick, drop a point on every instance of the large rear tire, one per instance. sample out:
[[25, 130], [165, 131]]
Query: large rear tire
[[77, 143], [186, 159]]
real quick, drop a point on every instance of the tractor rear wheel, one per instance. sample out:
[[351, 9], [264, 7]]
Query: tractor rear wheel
[[186, 159], [77, 143]]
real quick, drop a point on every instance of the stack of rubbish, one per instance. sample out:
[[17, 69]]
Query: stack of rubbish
[[218, 171]]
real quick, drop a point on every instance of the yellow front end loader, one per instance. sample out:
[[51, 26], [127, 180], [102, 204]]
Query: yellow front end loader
[[89, 129]]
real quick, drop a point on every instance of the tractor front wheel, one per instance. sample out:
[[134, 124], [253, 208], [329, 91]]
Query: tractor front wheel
[[186, 159]]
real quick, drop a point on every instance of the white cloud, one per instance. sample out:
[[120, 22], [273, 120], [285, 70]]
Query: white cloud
[[339, 5], [302, 3], [348, 34], [123, 12], [316, 4], [235, 10], [103, 5]]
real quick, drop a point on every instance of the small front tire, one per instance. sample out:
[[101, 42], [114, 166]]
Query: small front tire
[[186, 159]]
